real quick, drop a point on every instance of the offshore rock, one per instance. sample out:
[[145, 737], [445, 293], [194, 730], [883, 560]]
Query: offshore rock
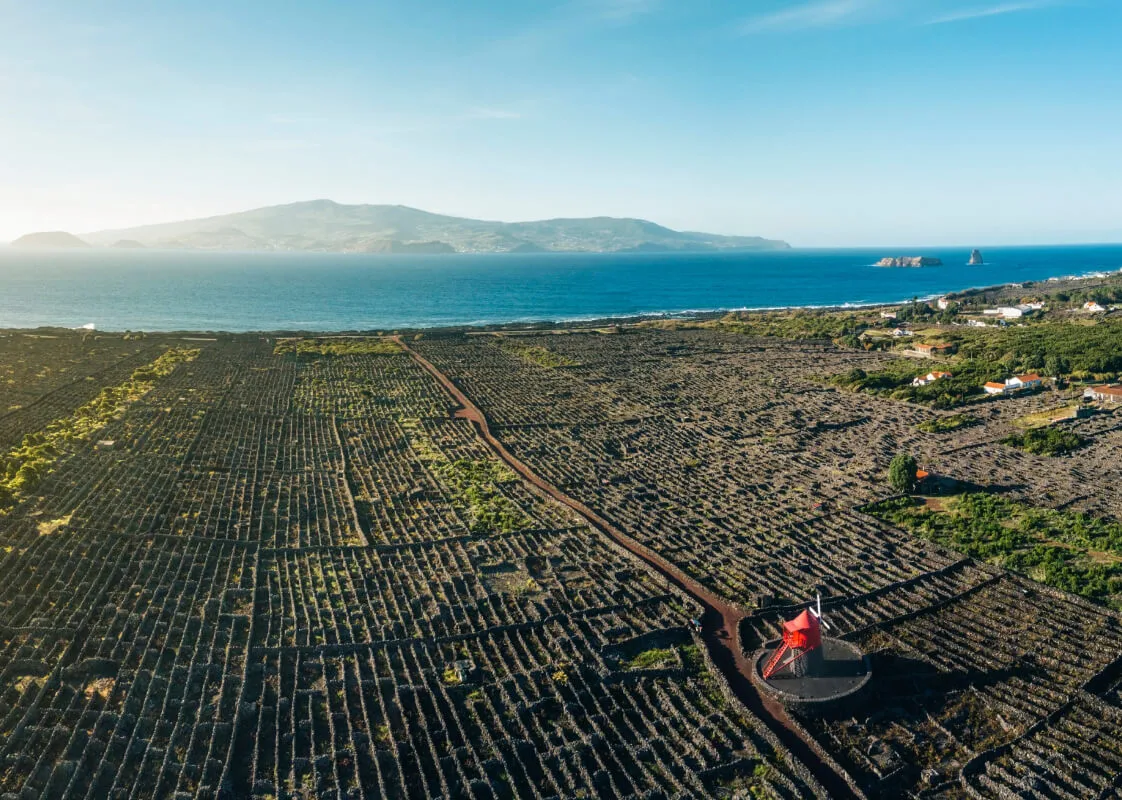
[[910, 261], [976, 258]]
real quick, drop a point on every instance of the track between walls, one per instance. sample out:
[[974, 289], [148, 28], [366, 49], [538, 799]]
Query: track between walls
[[720, 621]]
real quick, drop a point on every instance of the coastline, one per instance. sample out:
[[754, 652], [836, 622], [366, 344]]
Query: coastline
[[583, 321], [264, 294]]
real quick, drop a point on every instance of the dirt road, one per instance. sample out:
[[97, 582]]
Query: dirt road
[[720, 620]]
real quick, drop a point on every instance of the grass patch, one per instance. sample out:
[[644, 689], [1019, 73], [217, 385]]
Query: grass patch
[[1045, 441], [474, 487], [1042, 418], [947, 424], [1067, 550], [536, 354], [47, 528], [655, 658], [24, 467], [338, 347]]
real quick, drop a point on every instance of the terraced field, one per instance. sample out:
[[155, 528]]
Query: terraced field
[[315, 571]]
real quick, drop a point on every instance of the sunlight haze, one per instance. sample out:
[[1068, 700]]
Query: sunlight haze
[[831, 122]]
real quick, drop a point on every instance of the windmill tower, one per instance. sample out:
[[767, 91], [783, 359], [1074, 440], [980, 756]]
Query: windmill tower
[[801, 650]]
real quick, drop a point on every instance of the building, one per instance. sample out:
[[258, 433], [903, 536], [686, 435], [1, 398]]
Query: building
[[1025, 382], [930, 377], [1010, 312], [1091, 307], [994, 388], [902, 332], [888, 315], [1104, 394], [931, 350]]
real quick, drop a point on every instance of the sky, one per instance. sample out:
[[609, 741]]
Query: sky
[[822, 122]]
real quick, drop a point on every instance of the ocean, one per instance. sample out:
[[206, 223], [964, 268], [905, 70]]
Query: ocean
[[176, 290]]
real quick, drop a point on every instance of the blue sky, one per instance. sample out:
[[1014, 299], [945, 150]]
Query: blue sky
[[828, 122]]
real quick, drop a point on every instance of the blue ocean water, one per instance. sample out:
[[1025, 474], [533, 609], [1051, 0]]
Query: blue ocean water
[[176, 290]]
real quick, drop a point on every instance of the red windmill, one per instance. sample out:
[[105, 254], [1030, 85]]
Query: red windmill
[[802, 644]]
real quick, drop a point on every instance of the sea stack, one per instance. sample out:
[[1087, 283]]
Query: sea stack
[[976, 258], [910, 261]]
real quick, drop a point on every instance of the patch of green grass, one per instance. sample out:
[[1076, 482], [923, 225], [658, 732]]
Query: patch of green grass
[[536, 354], [373, 346], [947, 424], [25, 466], [474, 485], [1045, 441], [1067, 550], [655, 658]]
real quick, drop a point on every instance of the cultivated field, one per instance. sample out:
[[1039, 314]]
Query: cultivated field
[[249, 568]]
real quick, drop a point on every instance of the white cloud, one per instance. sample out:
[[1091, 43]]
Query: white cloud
[[990, 11], [817, 14]]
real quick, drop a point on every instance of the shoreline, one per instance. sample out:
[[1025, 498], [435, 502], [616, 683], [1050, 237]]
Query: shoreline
[[589, 321]]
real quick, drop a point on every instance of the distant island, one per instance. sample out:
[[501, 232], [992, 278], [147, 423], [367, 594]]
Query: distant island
[[49, 239], [327, 226], [910, 261], [976, 258]]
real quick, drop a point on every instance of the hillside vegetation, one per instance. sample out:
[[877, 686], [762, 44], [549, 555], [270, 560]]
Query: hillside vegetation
[[323, 225]]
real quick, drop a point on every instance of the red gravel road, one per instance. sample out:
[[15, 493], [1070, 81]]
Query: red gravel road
[[720, 622]]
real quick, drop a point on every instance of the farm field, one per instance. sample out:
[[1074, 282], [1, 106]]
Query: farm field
[[470, 566]]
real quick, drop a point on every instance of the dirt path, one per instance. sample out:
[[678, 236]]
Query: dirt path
[[720, 622]]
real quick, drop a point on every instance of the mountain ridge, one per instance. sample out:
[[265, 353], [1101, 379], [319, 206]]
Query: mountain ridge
[[327, 226]]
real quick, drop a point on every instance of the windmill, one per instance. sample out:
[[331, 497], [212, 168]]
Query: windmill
[[801, 649]]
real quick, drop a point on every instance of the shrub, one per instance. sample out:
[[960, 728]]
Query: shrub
[[1045, 441], [902, 473]]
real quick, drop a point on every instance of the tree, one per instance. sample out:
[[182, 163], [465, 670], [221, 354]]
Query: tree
[[902, 473]]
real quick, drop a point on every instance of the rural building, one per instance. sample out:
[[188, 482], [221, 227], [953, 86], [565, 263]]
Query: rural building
[[1025, 382], [1104, 394], [930, 377], [888, 315], [902, 332], [1018, 383], [943, 303], [931, 350], [1091, 307]]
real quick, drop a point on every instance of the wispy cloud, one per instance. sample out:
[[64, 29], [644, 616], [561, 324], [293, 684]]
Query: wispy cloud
[[990, 11], [817, 14]]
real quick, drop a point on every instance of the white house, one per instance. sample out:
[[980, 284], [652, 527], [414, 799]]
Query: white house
[[1104, 394], [930, 377], [1010, 312], [1091, 307], [1030, 381], [943, 303], [994, 388], [903, 332]]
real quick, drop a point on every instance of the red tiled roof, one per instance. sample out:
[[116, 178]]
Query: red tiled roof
[[992, 385], [1107, 389], [1032, 376]]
